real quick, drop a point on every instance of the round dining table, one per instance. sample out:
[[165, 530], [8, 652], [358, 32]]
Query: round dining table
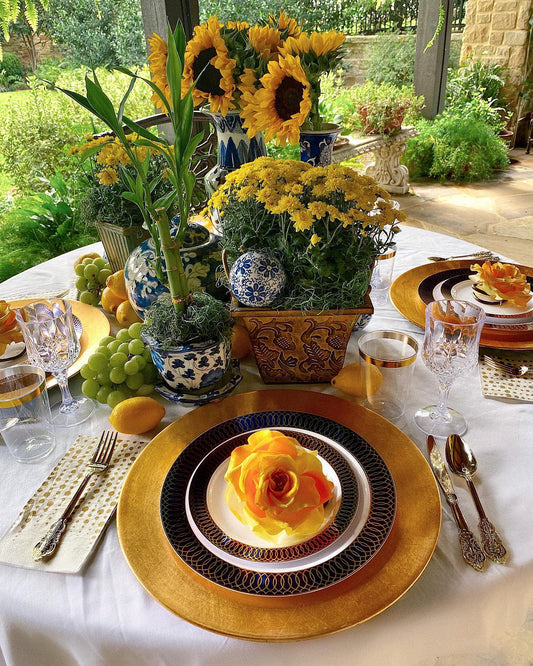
[[451, 615]]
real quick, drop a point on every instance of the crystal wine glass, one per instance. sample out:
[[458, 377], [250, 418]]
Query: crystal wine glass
[[53, 345], [450, 349]]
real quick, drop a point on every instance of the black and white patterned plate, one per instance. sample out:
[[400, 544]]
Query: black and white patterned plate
[[333, 562]]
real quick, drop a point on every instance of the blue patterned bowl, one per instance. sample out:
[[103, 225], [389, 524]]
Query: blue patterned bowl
[[256, 279], [196, 366]]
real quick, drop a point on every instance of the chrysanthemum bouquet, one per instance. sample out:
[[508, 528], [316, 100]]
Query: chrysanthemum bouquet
[[324, 224], [269, 73]]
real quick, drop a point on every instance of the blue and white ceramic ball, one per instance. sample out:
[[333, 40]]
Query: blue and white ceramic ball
[[256, 279]]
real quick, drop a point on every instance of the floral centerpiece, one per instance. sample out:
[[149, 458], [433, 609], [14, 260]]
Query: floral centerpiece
[[325, 226], [181, 318], [278, 488], [268, 74]]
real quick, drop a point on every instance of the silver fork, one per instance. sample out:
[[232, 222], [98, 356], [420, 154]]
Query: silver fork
[[98, 464], [508, 368]]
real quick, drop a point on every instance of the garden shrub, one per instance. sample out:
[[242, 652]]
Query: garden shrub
[[452, 147], [106, 33], [42, 227], [12, 74], [391, 59]]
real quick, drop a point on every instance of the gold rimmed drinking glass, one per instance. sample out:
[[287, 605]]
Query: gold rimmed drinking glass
[[450, 349]]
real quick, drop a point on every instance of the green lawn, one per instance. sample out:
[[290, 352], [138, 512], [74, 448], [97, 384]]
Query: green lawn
[[7, 98]]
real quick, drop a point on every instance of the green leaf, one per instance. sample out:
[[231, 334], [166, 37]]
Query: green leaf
[[187, 107], [180, 40], [191, 148], [124, 100], [102, 104], [141, 131], [31, 15], [165, 201], [174, 72]]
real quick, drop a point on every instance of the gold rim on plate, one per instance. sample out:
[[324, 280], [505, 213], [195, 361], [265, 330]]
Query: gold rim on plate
[[405, 298], [95, 326], [366, 593]]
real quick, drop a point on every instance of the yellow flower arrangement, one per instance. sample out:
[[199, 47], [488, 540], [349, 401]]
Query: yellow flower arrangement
[[325, 225], [276, 487], [269, 73]]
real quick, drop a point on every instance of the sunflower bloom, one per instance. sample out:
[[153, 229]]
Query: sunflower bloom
[[158, 69], [207, 63], [286, 25], [319, 43], [265, 41], [281, 106]]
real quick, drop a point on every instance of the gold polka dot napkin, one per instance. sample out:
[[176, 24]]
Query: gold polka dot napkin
[[88, 521], [495, 384]]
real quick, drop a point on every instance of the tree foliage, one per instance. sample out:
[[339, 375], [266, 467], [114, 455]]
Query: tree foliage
[[106, 33]]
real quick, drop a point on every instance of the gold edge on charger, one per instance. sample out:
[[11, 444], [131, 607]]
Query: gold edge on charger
[[362, 596]]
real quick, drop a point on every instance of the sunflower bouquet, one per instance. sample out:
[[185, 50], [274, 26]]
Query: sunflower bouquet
[[324, 224], [269, 73]]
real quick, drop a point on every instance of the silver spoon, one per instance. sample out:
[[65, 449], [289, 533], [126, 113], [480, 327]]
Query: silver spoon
[[476, 255], [462, 461]]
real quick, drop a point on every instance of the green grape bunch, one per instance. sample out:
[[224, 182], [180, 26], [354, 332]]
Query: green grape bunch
[[91, 275], [120, 368]]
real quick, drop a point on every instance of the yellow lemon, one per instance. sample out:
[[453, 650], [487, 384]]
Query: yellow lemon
[[134, 416], [241, 345], [350, 380], [117, 284], [126, 315], [110, 301]]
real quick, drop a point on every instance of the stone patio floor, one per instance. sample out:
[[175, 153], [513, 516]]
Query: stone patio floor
[[496, 214]]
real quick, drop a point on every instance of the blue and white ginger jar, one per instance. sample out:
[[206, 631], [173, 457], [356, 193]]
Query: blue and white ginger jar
[[256, 279], [201, 257]]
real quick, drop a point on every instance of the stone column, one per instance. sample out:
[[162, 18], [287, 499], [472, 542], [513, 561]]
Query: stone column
[[498, 31]]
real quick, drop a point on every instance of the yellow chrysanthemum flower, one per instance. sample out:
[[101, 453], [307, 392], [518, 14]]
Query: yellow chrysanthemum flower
[[157, 59], [314, 240], [303, 219], [281, 106], [208, 64], [108, 176]]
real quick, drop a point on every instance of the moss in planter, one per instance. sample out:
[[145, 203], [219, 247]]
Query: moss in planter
[[204, 319]]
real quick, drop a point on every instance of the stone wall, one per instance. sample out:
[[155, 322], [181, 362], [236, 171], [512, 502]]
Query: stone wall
[[43, 47], [498, 31]]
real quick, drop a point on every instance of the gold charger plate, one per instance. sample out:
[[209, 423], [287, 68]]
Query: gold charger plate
[[405, 298], [366, 593], [95, 326]]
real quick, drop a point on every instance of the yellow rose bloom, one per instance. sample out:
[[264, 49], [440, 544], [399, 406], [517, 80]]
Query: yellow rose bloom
[[276, 486]]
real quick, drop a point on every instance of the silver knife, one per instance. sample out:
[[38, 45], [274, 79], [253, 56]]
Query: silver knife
[[470, 548]]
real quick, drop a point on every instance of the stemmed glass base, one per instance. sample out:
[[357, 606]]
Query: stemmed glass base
[[76, 411], [433, 423]]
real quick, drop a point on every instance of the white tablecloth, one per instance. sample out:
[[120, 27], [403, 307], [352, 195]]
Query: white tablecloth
[[452, 615]]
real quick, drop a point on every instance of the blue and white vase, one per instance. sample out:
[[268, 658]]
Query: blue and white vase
[[201, 259], [235, 148], [256, 279], [316, 146], [194, 367]]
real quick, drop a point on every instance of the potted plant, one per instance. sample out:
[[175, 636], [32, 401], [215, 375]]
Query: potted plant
[[323, 226], [381, 108], [180, 320], [118, 220]]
